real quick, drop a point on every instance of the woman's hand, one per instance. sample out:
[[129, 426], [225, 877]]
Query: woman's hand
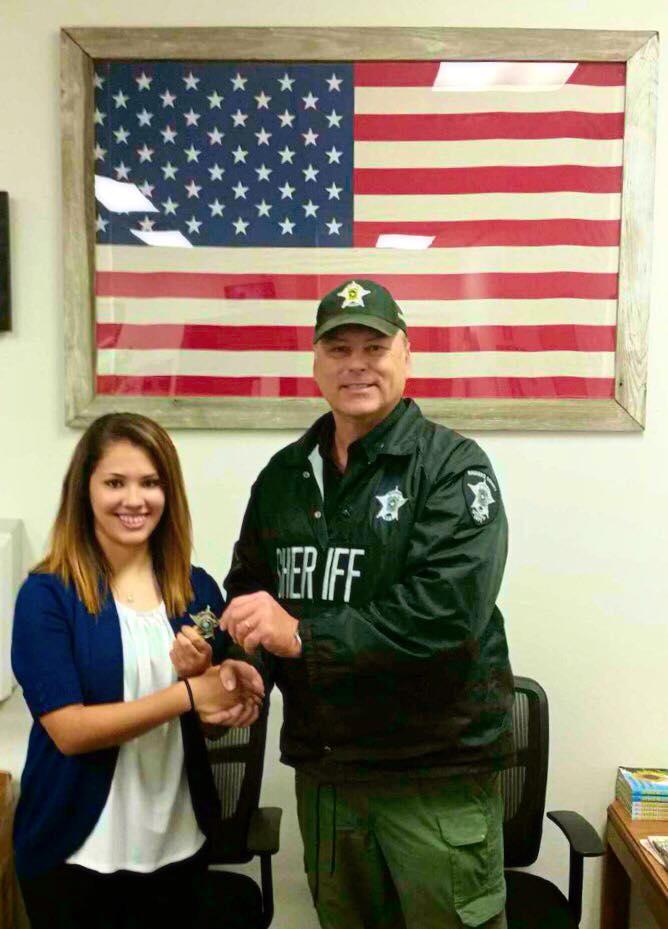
[[190, 654], [228, 695]]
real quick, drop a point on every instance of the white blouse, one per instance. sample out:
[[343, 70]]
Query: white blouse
[[148, 819]]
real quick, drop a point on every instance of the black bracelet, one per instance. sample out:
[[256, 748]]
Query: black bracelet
[[190, 692]]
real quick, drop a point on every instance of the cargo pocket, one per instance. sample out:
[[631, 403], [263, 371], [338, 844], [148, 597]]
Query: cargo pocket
[[478, 886]]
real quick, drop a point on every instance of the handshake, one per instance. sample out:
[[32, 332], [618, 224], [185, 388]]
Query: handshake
[[231, 694]]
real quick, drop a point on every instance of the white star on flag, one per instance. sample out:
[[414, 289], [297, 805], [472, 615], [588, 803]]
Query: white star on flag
[[192, 153], [144, 81], [121, 135], [122, 172], [240, 226], [262, 101], [120, 99], [263, 208], [146, 224], [193, 225], [169, 170], [144, 117], [147, 189], [334, 82], [191, 117], [99, 152], [215, 137], [263, 136], [333, 191], [216, 172], [334, 155], [263, 172], [170, 206], [239, 118], [167, 99], [286, 82], [145, 153], [310, 208], [215, 99], [238, 82], [333, 226], [99, 117], [310, 101], [239, 154], [286, 154], [286, 191], [310, 137], [193, 189], [216, 208], [191, 81], [98, 80], [239, 191], [168, 134], [286, 119], [101, 224], [334, 119], [310, 173], [286, 226]]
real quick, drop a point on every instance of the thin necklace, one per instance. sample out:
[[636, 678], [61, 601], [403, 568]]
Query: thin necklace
[[128, 596]]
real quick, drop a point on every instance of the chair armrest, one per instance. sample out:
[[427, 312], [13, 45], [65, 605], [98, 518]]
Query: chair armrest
[[584, 843], [582, 837], [264, 830]]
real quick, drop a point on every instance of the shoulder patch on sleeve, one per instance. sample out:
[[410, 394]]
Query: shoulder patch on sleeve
[[482, 496]]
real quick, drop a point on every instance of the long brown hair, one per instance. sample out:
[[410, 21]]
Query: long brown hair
[[75, 554]]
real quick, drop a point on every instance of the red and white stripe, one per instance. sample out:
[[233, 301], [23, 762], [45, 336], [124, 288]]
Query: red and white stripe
[[519, 192]]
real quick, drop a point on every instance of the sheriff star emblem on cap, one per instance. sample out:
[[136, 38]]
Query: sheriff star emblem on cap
[[353, 295]]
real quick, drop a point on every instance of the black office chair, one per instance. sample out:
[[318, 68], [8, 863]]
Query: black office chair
[[247, 830], [533, 902]]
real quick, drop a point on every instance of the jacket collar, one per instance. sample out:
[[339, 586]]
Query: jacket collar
[[399, 437]]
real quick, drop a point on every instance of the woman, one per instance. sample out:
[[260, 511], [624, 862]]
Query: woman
[[117, 796]]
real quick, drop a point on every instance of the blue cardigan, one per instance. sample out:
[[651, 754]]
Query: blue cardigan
[[61, 654]]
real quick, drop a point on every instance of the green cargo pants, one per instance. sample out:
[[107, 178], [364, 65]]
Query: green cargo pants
[[404, 854]]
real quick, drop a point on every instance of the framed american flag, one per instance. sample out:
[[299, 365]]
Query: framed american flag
[[217, 182]]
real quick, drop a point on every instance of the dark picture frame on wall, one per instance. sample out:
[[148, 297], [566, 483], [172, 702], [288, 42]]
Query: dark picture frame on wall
[[5, 289]]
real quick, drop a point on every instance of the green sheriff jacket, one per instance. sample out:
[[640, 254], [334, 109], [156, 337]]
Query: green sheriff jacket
[[393, 575]]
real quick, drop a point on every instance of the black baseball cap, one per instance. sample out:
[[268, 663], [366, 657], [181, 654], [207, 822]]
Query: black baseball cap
[[362, 303]]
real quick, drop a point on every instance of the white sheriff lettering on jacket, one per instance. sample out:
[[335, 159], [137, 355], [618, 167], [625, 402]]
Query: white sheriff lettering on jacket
[[296, 566]]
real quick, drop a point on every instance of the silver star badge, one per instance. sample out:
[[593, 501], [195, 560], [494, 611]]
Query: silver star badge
[[390, 504], [206, 621]]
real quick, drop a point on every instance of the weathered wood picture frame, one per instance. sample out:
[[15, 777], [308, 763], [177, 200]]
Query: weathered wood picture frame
[[81, 47]]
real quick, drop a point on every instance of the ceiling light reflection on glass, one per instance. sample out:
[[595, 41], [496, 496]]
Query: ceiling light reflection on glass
[[171, 238], [391, 240], [503, 75], [119, 197]]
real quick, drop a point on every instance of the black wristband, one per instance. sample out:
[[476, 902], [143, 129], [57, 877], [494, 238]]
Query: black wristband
[[190, 692]]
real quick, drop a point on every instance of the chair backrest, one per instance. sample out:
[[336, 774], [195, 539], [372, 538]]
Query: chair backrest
[[523, 786], [237, 761]]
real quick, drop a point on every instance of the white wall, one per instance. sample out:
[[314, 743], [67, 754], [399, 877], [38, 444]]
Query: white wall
[[587, 581]]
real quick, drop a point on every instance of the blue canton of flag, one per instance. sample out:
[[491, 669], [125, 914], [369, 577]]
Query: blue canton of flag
[[228, 153]]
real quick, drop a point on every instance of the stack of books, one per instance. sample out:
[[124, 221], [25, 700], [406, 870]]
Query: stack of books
[[643, 792]]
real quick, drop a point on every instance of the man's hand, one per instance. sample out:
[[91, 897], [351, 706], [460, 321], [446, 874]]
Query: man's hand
[[228, 695], [190, 654], [257, 619]]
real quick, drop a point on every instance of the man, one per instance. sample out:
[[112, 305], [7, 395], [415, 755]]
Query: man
[[369, 562]]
